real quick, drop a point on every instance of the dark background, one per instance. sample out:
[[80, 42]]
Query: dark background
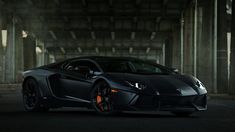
[[195, 36]]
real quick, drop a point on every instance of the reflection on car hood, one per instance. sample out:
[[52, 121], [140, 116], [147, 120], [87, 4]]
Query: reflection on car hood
[[164, 84]]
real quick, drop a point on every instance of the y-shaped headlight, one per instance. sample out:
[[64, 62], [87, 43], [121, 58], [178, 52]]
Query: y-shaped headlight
[[200, 85], [137, 85]]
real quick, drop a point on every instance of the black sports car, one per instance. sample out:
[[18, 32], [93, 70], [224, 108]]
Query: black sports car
[[112, 84]]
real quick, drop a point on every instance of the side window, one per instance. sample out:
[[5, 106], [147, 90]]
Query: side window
[[146, 68], [76, 65]]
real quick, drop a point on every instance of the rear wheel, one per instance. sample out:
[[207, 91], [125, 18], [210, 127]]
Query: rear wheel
[[32, 97], [101, 100], [182, 114]]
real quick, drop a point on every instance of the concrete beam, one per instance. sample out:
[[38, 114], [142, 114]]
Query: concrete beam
[[148, 50], [90, 42], [79, 49], [53, 35], [62, 50], [170, 13], [73, 35]]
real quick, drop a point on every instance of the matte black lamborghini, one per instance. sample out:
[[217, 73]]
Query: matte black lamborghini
[[112, 84]]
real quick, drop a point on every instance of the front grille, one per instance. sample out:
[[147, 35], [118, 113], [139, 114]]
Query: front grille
[[183, 101]]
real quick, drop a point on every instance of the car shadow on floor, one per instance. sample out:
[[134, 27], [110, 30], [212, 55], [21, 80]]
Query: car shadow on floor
[[90, 114]]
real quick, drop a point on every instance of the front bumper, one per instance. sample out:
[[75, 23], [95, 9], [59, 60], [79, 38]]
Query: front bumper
[[184, 103], [135, 101]]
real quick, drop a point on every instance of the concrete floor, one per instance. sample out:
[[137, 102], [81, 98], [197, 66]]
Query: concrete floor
[[219, 117]]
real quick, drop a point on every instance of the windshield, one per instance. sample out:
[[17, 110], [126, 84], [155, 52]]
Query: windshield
[[131, 66]]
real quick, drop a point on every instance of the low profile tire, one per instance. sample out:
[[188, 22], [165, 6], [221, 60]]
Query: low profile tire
[[101, 100], [32, 98], [182, 114]]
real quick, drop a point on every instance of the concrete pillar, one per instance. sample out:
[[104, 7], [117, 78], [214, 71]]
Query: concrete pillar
[[14, 52], [40, 55], [205, 44], [222, 62], [46, 58], [232, 59], [10, 52], [176, 47], [19, 51], [29, 52], [188, 40], [1, 52], [168, 52]]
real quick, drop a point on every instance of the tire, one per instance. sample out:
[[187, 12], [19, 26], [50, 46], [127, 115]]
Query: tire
[[182, 114], [32, 98], [101, 100]]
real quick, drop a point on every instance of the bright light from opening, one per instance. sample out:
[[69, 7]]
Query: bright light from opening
[[4, 38], [38, 50], [229, 7], [24, 34], [51, 58]]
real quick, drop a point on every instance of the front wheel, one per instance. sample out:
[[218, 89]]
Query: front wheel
[[32, 97], [101, 100]]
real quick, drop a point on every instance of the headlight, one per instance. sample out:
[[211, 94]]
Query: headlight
[[137, 85], [200, 85]]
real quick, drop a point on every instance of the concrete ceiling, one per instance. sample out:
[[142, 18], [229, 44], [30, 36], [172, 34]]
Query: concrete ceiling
[[97, 23]]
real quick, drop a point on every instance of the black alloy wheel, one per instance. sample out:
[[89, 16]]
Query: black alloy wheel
[[101, 99], [31, 96]]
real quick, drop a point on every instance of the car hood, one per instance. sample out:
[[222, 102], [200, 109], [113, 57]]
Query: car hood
[[163, 84]]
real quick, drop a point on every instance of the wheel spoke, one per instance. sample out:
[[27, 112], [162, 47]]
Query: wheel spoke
[[30, 94], [102, 98]]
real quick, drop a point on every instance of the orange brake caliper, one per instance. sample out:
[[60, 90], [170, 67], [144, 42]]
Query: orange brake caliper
[[98, 100]]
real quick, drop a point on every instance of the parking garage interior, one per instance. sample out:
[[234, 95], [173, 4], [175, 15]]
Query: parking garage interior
[[195, 36]]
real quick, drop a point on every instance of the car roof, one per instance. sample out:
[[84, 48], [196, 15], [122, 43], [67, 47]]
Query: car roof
[[94, 58], [104, 57]]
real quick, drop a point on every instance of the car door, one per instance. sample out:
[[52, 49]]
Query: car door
[[75, 83]]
